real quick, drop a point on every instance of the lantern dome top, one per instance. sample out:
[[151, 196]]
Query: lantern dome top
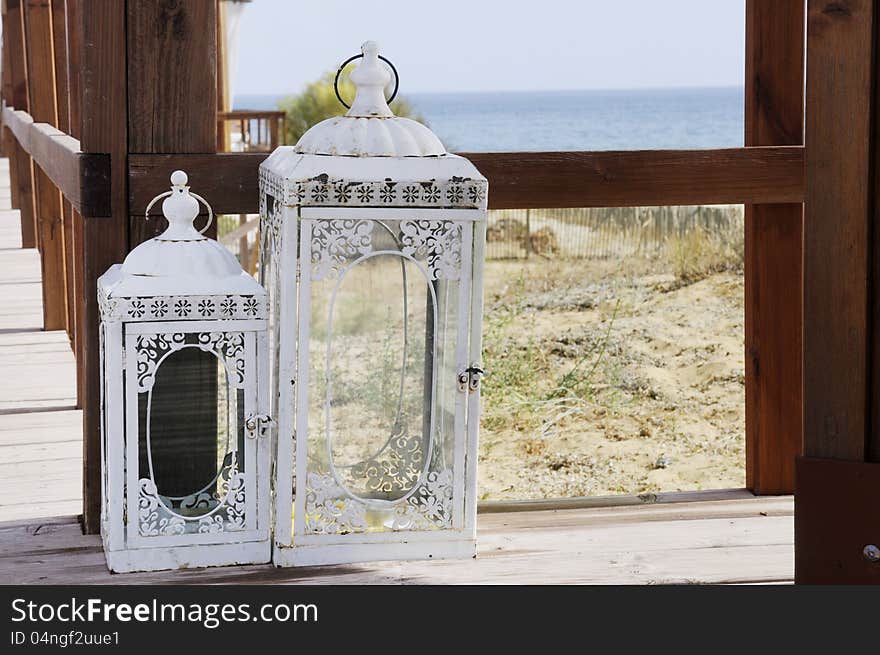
[[370, 128], [181, 260]]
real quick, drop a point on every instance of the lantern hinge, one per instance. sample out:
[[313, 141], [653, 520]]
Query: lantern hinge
[[469, 378], [258, 425]]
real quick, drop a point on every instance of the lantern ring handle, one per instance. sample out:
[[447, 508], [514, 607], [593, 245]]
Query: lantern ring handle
[[359, 56], [194, 195]]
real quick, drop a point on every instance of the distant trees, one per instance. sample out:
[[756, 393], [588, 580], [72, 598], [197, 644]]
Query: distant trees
[[318, 101]]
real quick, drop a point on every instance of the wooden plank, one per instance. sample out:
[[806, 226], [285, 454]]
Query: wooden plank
[[534, 179], [774, 116], [733, 541], [101, 28], [40, 432], [47, 199], [838, 159], [22, 180], [617, 500], [19, 123]]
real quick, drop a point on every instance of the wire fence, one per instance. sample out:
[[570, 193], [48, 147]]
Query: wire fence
[[579, 233], [602, 233]]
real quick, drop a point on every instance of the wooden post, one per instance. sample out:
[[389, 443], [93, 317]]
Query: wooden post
[[20, 168], [72, 22], [41, 91], [223, 100], [774, 115], [101, 35], [172, 78], [59, 34], [835, 501]]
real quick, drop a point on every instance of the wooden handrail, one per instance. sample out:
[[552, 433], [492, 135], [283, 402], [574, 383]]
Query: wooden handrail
[[536, 179], [83, 178], [236, 114]]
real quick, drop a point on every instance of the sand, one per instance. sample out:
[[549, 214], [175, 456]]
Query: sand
[[611, 378]]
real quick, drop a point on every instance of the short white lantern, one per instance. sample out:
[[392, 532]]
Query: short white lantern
[[372, 251], [186, 470]]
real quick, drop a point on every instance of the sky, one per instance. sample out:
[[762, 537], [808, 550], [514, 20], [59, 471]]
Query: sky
[[497, 45]]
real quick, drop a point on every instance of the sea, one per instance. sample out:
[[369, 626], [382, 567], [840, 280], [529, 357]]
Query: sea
[[574, 120]]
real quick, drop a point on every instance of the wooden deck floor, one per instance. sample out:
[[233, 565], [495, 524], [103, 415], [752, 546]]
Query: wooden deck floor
[[737, 540]]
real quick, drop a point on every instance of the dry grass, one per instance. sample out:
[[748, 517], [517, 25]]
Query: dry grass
[[699, 254], [614, 376]]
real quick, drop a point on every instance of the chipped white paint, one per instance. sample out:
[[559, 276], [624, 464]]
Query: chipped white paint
[[356, 190], [183, 292]]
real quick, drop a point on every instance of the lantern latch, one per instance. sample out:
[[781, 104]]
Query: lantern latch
[[257, 425], [469, 378]]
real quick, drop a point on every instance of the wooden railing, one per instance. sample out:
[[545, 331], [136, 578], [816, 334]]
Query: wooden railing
[[246, 130], [82, 178], [519, 180], [142, 105]]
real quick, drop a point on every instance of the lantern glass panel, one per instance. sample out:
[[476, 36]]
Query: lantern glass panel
[[192, 418], [387, 322]]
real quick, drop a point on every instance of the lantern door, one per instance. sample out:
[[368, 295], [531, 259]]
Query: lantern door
[[383, 327], [196, 469]]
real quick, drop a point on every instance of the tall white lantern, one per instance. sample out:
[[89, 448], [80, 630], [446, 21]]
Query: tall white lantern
[[184, 361], [372, 242]]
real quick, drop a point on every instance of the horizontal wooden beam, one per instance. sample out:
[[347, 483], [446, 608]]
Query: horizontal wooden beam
[[534, 179], [82, 178], [633, 178]]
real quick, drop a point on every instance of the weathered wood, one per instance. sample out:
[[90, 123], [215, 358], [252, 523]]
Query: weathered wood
[[838, 159], [617, 500], [534, 179], [101, 27], [40, 432], [774, 116], [47, 199], [83, 178], [172, 73], [721, 542], [22, 172]]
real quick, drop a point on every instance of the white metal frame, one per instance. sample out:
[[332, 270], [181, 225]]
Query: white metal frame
[[297, 547], [125, 548]]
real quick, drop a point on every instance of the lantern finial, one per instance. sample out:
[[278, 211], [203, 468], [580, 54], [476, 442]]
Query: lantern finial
[[370, 79], [180, 209]]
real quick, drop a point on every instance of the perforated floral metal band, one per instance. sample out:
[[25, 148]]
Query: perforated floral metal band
[[323, 191], [174, 308]]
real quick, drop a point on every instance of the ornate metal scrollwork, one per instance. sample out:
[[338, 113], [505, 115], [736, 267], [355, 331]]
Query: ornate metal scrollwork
[[333, 242], [438, 241]]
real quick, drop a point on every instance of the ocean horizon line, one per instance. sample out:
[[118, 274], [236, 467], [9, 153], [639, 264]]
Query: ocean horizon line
[[693, 87]]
